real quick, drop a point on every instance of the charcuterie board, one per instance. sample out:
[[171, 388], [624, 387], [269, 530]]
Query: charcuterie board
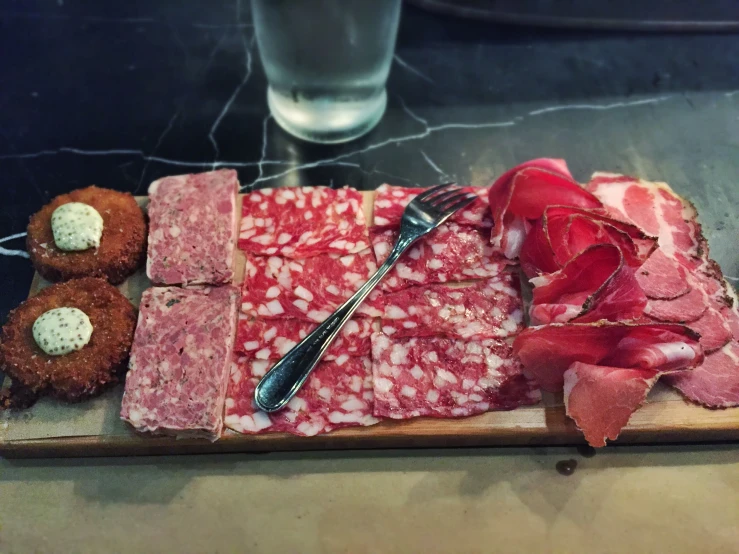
[[52, 429]]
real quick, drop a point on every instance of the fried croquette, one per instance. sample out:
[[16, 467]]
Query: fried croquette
[[122, 245], [82, 373]]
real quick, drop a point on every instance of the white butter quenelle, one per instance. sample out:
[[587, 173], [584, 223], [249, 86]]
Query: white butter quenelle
[[76, 226], [62, 330]]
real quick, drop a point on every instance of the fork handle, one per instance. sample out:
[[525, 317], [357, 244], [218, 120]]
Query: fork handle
[[286, 377]]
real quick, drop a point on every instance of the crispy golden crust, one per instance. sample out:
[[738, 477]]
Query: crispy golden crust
[[85, 372], [122, 247]]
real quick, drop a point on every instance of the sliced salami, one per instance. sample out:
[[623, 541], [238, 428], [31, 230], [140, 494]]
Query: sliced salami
[[309, 289], [337, 394], [488, 309], [271, 339], [303, 221], [440, 377], [180, 360], [390, 202], [192, 228], [449, 253]]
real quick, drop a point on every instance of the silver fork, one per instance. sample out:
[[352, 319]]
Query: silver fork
[[423, 214]]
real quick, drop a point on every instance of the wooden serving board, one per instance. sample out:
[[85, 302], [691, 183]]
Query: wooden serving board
[[52, 429]]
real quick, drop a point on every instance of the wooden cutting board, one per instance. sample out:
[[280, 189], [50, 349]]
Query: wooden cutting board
[[52, 429]]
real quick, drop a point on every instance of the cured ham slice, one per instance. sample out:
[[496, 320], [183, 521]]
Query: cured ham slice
[[714, 329], [715, 383], [390, 202], [592, 286], [301, 222], [657, 210], [563, 232], [684, 309], [521, 195], [663, 278], [337, 394], [449, 253], [546, 352], [488, 309], [446, 378], [271, 339], [601, 399], [309, 289]]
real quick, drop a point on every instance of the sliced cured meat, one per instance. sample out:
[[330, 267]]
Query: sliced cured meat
[[655, 208], [390, 202], [522, 194], [663, 278], [301, 222], [601, 399], [684, 309], [594, 285], [309, 289], [449, 253], [730, 312], [715, 383], [564, 231], [714, 329], [440, 377], [180, 360], [488, 309], [192, 228], [546, 352], [337, 394], [271, 339]]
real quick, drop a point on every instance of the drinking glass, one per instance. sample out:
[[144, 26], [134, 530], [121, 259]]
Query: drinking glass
[[327, 62]]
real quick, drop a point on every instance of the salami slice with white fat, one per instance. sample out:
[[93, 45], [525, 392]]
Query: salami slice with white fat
[[309, 289], [487, 309], [449, 253], [441, 377], [390, 202], [337, 394], [271, 339], [303, 221]]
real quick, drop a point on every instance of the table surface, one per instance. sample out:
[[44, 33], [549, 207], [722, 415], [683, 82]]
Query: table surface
[[119, 94]]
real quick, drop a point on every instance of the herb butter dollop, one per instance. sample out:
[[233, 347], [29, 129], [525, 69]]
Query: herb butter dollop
[[76, 226], [62, 330]]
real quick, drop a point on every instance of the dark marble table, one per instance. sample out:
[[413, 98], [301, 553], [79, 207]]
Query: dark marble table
[[120, 93]]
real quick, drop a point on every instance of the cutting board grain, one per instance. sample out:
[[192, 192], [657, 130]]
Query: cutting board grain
[[666, 417]]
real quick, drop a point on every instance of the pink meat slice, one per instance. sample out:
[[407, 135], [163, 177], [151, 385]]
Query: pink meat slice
[[594, 285], [662, 277], [547, 351], [180, 360], [300, 222], [488, 309], [684, 309], [715, 383], [441, 377], [192, 228], [271, 339], [601, 399], [337, 394], [655, 208], [449, 253], [714, 330], [309, 289], [390, 202], [521, 195]]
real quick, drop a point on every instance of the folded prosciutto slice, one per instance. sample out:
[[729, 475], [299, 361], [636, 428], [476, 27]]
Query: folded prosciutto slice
[[548, 351], [563, 232], [521, 195], [601, 399], [594, 285]]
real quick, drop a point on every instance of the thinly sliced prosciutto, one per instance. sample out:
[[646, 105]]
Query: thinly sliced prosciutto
[[715, 383], [602, 399], [563, 232], [594, 285], [521, 194], [547, 351]]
